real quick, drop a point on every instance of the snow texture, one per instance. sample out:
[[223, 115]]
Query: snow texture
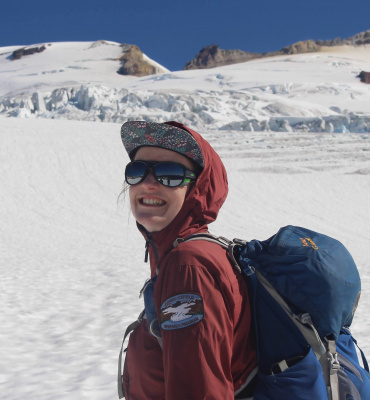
[[314, 92], [71, 258]]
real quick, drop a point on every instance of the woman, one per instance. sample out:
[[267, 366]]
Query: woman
[[206, 350]]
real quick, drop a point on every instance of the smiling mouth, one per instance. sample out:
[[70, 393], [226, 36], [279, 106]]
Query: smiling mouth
[[151, 202]]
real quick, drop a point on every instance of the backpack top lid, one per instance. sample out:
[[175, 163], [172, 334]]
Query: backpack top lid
[[314, 274]]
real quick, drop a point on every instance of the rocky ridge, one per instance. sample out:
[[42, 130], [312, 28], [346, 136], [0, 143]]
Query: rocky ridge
[[212, 56]]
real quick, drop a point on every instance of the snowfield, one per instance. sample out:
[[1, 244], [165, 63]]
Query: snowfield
[[314, 92], [293, 132], [72, 259]]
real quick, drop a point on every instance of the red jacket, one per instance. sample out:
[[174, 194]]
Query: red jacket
[[202, 304]]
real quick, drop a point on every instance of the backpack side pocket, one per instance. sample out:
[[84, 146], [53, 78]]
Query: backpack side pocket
[[302, 381]]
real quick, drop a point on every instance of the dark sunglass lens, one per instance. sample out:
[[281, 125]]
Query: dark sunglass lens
[[135, 172], [169, 174]]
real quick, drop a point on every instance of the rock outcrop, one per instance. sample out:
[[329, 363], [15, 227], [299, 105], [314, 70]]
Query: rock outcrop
[[26, 51], [359, 39], [308, 46], [212, 56], [364, 76], [134, 62]]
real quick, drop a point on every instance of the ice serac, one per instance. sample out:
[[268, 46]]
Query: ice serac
[[215, 111]]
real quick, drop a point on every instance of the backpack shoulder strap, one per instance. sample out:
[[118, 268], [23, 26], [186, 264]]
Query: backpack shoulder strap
[[204, 236], [227, 244], [129, 329]]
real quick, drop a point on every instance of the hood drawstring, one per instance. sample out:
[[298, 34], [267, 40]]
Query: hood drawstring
[[150, 242], [146, 251]]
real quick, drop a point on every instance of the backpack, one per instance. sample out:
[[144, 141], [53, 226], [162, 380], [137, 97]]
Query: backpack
[[304, 289]]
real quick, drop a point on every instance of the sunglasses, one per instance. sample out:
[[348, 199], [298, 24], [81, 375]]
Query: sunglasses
[[167, 173]]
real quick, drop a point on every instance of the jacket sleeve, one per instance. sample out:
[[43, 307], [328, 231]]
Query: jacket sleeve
[[194, 313]]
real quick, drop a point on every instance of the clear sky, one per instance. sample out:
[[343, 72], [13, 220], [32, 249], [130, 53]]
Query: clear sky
[[173, 32]]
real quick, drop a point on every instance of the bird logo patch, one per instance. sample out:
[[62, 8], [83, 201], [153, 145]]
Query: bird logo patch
[[182, 310]]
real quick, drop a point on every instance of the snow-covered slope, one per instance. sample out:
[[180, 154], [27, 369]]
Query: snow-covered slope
[[71, 259], [317, 92], [63, 65]]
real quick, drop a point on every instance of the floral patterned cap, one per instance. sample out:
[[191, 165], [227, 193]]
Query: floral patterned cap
[[136, 134]]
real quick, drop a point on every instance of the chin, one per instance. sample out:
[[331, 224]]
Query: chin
[[153, 226]]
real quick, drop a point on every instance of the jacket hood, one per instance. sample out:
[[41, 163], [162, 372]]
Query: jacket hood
[[200, 207]]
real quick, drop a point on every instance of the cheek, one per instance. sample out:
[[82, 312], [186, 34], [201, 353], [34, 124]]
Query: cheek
[[189, 188], [132, 195], [179, 200]]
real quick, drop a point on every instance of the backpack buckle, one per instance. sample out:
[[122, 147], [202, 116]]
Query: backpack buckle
[[334, 362], [240, 241]]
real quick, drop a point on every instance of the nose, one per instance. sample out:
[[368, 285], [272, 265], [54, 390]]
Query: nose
[[150, 180]]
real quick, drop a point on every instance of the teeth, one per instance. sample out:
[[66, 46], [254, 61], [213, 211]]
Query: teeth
[[155, 202]]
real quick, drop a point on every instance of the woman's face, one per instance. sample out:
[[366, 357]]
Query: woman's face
[[155, 206]]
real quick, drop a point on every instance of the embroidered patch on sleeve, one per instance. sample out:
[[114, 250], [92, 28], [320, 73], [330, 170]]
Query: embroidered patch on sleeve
[[182, 310]]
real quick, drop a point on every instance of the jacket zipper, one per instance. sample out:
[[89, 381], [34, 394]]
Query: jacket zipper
[[150, 242]]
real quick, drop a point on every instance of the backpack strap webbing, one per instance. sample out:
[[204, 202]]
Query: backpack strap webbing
[[364, 361], [334, 368], [129, 329], [220, 240], [227, 244]]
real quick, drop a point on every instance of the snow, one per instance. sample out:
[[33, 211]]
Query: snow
[[61, 65], [314, 92], [72, 259], [292, 131]]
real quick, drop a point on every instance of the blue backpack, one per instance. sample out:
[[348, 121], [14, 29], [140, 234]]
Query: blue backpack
[[304, 288]]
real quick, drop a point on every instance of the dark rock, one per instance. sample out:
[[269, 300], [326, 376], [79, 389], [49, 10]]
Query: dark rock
[[356, 40], [364, 76], [24, 51], [359, 39], [329, 43], [308, 46], [212, 56]]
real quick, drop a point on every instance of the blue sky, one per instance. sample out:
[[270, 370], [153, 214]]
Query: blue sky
[[172, 32]]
